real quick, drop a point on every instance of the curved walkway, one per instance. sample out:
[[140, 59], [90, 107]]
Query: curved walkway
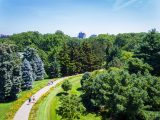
[[24, 110]]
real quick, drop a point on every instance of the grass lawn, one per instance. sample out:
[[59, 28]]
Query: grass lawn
[[45, 108], [8, 110]]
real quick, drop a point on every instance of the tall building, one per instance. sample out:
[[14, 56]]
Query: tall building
[[3, 36], [81, 35]]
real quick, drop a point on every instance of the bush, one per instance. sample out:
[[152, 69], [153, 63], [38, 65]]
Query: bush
[[66, 85], [70, 107]]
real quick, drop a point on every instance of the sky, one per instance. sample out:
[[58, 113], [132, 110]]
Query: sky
[[74, 16]]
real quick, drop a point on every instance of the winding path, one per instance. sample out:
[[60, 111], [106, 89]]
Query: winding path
[[24, 110]]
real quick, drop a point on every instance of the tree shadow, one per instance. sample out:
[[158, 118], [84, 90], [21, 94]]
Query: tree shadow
[[79, 89], [61, 94]]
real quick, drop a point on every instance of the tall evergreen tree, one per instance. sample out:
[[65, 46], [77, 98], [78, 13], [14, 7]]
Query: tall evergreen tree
[[35, 61], [27, 75], [90, 61], [64, 60], [10, 73], [55, 69], [74, 54], [40, 72], [149, 50]]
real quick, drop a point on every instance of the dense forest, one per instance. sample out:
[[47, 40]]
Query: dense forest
[[128, 89]]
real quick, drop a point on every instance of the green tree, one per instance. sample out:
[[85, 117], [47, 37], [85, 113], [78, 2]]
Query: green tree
[[10, 73], [54, 70], [121, 95], [27, 75], [70, 107], [74, 49], [90, 61], [113, 57], [64, 60], [136, 65], [149, 50], [30, 54], [85, 77], [66, 85]]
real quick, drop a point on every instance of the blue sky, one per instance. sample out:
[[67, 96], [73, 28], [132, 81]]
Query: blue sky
[[73, 16]]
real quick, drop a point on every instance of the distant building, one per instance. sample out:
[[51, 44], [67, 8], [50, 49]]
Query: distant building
[[81, 35], [4, 36], [92, 36]]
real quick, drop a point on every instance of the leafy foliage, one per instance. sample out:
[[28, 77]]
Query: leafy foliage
[[54, 69], [126, 91], [121, 95], [85, 77], [149, 50], [66, 85], [113, 55], [70, 108], [136, 65], [10, 73]]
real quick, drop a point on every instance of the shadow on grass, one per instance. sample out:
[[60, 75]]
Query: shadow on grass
[[62, 94], [79, 89]]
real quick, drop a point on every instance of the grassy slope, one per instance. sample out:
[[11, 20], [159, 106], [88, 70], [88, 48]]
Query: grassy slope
[[46, 107], [8, 110]]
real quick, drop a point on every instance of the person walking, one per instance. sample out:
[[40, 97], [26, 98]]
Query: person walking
[[33, 98], [29, 100]]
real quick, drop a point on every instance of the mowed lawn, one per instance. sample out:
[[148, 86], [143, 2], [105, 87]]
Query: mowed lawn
[[8, 110], [45, 109]]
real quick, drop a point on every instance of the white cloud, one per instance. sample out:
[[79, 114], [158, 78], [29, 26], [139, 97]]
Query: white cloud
[[120, 4]]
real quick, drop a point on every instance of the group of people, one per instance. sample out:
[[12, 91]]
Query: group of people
[[50, 83], [31, 99]]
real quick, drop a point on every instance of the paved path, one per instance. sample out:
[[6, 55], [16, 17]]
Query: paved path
[[24, 110]]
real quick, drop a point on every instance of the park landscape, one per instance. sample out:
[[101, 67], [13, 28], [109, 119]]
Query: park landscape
[[51, 70], [106, 79]]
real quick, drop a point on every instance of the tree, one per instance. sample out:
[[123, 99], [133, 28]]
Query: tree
[[113, 55], [89, 61], [59, 32], [39, 70], [116, 62], [27, 75], [70, 107], [85, 77], [35, 61], [122, 96], [99, 45], [74, 49], [149, 50], [136, 65], [66, 85], [55, 69], [64, 60], [10, 73]]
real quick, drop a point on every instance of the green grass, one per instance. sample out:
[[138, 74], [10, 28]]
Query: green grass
[[45, 109], [8, 110]]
